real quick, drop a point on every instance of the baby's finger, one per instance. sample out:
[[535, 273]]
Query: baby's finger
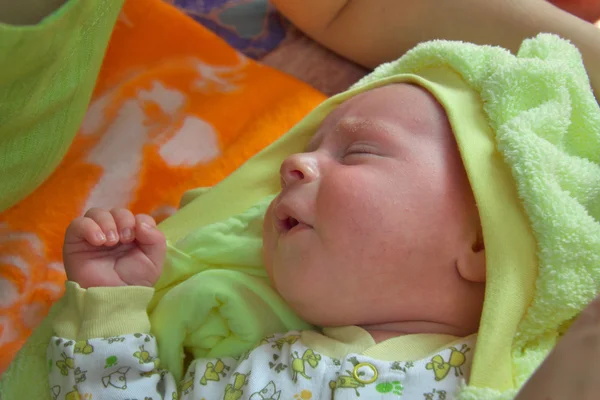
[[146, 232], [150, 239], [106, 222], [84, 229], [125, 221]]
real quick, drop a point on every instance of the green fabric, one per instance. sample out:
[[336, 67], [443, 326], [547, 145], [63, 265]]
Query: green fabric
[[47, 76], [214, 298]]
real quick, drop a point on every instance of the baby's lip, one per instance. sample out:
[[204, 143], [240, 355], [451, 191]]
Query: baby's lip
[[287, 218]]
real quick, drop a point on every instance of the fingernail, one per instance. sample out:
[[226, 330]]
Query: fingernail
[[100, 236], [112, 236], [127, 233], [147, 226]]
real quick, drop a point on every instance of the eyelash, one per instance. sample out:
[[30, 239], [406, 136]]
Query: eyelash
[[359, 150]]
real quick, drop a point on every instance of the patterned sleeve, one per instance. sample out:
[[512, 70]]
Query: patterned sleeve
[[118, 367], [103, 348]]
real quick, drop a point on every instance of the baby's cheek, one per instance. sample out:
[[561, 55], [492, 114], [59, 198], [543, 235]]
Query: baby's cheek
[[352, 209]]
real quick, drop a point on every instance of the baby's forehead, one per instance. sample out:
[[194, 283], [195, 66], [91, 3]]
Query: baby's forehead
[[402, 106]]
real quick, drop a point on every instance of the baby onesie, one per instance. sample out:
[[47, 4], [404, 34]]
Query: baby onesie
[[280, 367]]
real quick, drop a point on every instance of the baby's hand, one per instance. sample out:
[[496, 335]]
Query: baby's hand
[[113, 248]]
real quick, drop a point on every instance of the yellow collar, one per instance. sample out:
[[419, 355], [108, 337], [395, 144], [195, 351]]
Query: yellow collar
[[338, 342]]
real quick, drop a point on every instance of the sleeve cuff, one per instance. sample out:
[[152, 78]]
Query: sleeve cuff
[[103, 312]]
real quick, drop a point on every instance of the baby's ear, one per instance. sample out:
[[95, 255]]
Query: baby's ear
[[471, 264]]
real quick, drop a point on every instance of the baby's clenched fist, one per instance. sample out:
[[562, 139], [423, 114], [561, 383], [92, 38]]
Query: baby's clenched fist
[[113, 248]]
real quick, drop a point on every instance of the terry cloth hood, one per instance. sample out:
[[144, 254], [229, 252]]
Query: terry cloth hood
[[528, 129]]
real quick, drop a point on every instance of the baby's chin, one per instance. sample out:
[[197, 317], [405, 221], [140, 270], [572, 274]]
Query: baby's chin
[[326, 312], [323, 317]]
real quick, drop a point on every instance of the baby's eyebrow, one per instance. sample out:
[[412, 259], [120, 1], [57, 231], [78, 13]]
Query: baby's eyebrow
[[381, 128], [352, 125], [343, 125], [357, 124]]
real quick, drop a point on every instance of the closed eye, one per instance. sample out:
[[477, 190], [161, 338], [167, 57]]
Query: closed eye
[[361, 150]]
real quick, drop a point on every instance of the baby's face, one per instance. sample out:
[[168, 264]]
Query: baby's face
[[373, 215]]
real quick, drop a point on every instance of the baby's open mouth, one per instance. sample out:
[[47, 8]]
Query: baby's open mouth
[[286, 219], [290, 223]]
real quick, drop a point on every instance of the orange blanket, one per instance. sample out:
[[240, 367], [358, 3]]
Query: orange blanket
[[174, 108]]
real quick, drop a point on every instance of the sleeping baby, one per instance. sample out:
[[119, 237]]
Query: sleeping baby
[[402, 230]]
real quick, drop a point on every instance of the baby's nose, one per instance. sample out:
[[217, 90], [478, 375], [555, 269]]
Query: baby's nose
[[299, 168]]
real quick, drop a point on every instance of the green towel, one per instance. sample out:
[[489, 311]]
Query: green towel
[[47, 76]]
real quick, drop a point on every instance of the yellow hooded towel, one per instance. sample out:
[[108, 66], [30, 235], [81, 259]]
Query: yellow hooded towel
[[528, 129]]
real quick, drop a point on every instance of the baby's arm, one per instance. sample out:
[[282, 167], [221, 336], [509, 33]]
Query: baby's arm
[[103, 349], [373, 32]]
